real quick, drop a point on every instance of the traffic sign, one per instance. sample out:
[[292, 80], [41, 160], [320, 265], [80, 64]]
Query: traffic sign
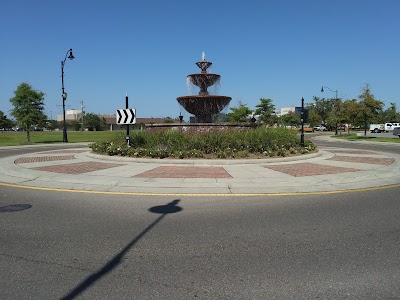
[[126, 116]]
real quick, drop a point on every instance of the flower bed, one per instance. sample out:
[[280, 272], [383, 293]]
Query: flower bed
[[253, 143]]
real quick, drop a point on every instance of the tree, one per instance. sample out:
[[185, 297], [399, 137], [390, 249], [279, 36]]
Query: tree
[[390, 114], [322, 107], [350, 112], [239, 114], [266, 111], [314, 119], [94, 122], [335, 114], [52, 125], [369, 107], [4, 121], [28, 107], [291, 119]]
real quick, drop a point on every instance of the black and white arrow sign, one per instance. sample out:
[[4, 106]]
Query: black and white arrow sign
[[126, 116]]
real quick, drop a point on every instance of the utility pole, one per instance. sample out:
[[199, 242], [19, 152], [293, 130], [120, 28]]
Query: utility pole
[[128, 138], [82, 113], [302, 123]]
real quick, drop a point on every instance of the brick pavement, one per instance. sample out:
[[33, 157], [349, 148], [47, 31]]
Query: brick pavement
[[309, 169], [78, 168], [351, 151], [185, 172], [295, 169], [364, 160]]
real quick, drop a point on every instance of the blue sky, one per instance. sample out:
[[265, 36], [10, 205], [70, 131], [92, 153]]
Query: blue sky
[[280, 49]]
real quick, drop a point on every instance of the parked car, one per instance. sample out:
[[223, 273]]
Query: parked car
[[320, 128], [396, 131]]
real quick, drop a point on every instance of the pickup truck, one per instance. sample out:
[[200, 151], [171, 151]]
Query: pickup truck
[[396, 131], [320, 128]]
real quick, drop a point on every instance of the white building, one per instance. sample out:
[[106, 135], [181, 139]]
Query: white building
[[285, 110], [71, 115]]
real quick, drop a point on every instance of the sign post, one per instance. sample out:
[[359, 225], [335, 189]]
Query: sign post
[[128, 138], [125, 117]]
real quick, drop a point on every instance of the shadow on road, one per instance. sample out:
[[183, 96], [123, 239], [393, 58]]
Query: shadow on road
[[163, 210]]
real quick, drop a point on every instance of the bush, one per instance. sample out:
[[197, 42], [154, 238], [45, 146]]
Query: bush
[[219, 144]]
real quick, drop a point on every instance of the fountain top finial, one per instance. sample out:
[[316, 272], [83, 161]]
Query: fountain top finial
[[203, 64]]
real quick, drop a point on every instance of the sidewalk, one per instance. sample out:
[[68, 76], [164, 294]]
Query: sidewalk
[[332, 169]]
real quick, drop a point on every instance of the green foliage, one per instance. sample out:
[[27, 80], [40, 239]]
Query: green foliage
[[322, 107], [94, 122], [314, 119], [350, 111], [218, 144], [291, 119], [52, 125], [390, 114], [369, 107], [239, 114], [4, 121], [28, 107], [266, 111], [73, 125]]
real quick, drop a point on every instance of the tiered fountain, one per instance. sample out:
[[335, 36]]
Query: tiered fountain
[[204, 106]]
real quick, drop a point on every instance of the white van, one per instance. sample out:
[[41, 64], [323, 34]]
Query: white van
[[376, 128]]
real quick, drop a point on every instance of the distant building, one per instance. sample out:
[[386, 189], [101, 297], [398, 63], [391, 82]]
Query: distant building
[[111, 120], [71, 115], [295, 109]]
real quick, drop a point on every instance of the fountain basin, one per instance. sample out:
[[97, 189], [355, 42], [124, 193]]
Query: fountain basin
[[204, 80], [204, 107]]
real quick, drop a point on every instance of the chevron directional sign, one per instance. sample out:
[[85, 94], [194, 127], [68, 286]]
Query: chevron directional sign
[[126, 116]]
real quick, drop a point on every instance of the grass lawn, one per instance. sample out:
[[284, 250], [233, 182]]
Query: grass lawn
[[10, 138]]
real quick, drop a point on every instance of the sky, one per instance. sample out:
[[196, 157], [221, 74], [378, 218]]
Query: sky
[[278, 49]]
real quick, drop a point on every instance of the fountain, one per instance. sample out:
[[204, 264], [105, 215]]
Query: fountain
[[204, 106]]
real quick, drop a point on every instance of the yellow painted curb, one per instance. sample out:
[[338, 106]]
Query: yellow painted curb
[[200, 195]]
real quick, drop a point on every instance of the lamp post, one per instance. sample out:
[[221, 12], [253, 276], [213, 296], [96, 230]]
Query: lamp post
[[302, 123], [64, 94], [336, 99]]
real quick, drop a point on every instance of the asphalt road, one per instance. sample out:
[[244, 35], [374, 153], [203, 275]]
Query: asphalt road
[[57, 245]]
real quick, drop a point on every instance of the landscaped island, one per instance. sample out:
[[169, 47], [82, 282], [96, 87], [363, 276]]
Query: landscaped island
[[252, 143]]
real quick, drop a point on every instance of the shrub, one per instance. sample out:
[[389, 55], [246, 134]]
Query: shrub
[[220, 144]]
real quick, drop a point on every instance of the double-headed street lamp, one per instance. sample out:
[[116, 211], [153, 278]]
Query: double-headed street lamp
[[64, 94], [336, 99]]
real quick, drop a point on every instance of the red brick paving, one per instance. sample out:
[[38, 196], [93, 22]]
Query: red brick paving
[[78, 168], [364, 160], [185, 172], [25, 160], [351, 151], [308, 169]]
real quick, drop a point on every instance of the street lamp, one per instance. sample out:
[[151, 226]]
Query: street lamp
[[336, 98], [64, 94], [302, 123]]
